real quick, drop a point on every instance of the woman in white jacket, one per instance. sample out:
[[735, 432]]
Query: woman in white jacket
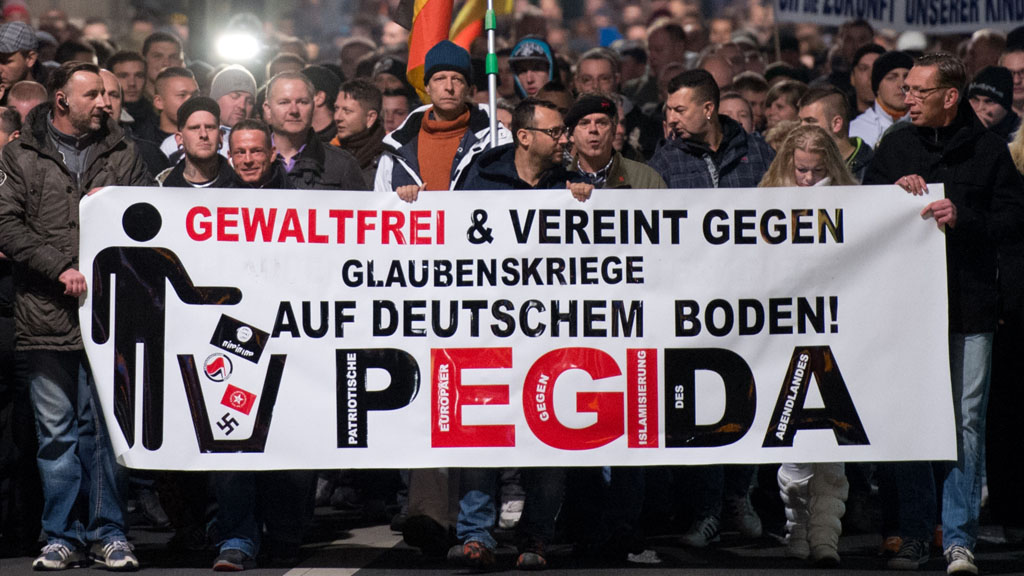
[[814, 494]]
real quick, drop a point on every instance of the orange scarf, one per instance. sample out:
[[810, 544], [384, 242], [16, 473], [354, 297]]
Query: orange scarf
[[439, 141]]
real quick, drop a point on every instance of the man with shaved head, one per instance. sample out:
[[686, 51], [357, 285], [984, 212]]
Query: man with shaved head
[[26, 95]]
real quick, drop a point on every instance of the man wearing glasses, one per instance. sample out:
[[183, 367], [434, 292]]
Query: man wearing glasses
[[535, 158], [983, 208]]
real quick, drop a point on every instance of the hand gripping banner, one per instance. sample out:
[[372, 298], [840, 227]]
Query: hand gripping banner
[[259, 329]]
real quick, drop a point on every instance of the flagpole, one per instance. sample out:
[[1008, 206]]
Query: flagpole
[[491, 25]]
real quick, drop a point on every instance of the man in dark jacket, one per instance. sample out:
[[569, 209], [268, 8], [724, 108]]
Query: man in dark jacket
[[254, 158], [705, 150], [945, 143], [360, 129], [991, 96], [534, 159], [66, 148], [310, 164], [199, 136]]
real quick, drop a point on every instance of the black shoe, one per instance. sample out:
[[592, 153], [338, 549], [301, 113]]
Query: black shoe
[[398, 522], [233, 560], [425, 533]]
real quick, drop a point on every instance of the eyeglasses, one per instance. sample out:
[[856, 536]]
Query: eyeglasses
[[1017, 74], [555, 133], [919, 94]]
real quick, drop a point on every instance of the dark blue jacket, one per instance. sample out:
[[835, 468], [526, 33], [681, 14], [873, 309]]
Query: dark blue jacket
[[741, 160], [496, 170]]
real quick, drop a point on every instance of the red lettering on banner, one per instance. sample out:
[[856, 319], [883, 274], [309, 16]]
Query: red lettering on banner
[[449, 395], [315, 238], [291, 227], [340, 216], [259, 220], [198, 230], [222, 224], [642, 397], [538, 394], [392, 226]]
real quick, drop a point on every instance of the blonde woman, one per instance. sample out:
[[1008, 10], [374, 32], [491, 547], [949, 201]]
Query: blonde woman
[[814, 494], [808, 157]]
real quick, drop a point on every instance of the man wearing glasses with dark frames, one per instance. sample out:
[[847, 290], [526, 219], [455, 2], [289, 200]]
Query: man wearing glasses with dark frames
[[983, 208], [534, 159]]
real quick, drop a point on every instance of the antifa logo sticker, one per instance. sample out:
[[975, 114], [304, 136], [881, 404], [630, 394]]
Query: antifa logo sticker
[[218, 367], [240, 339]]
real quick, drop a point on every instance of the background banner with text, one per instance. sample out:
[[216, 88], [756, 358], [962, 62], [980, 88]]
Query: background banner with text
[[258, 329], [928, 16]]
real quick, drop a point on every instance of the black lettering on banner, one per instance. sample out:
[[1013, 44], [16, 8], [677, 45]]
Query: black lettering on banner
[[838, 414], [355, 402], [255, 443], [681, 366]]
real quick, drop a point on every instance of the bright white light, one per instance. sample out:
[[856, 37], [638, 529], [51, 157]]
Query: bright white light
[[238, 47]]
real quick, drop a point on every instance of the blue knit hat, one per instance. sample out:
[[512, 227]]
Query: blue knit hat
[[447, 55]]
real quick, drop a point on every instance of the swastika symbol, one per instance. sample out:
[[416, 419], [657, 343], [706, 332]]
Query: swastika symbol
[[227, 424]]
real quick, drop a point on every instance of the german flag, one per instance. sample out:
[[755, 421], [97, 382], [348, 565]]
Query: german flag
[[470, 21], [428, 22]]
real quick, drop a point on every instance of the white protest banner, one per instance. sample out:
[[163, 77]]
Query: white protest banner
[[261, 329], [928, 16]]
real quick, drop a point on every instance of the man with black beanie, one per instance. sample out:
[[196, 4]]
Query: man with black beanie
[[200, 138], [887, 76], [991, 96]]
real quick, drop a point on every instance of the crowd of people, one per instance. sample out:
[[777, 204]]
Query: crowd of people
[[672, 98]]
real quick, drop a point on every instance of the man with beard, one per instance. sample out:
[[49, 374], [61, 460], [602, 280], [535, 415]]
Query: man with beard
[[199, 136], [69, 147], [360, 130]]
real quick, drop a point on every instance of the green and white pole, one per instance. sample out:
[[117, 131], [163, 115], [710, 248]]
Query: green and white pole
[[491, 25]]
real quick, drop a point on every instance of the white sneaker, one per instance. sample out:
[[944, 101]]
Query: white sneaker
[[57, 556], [511, 512], [960, 560], [702, 532], [117, 556]]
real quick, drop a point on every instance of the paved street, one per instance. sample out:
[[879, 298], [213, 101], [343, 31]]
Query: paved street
[[337, 547]]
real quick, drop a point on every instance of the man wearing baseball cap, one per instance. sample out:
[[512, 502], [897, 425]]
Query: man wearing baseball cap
[[434, 147], [199, 136], [991, 96], [592, 121], [533, 64], [234, 90], [17, 55]]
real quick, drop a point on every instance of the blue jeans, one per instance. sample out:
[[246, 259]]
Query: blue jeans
[[75, 457], [279, 500], [477, 509], [971, 367]]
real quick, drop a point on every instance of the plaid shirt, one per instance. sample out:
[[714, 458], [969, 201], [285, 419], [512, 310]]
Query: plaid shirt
[[740, 162]]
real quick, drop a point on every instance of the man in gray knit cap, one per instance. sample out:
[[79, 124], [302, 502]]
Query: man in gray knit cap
[[234, 89]]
